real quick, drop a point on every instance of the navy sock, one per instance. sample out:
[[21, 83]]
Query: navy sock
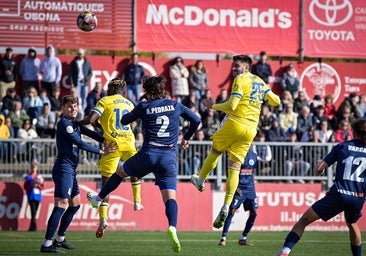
[[291, 240], [227, 223], [112, 183], [171, 211], [356, 250], [66, 219], [249, 224], [53, 221]]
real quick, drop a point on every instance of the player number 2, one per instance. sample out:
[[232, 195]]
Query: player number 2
[[349, 162], [164, 121]]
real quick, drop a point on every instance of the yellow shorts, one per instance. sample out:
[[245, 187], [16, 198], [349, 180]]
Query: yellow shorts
[[108, 163], [235, 138]]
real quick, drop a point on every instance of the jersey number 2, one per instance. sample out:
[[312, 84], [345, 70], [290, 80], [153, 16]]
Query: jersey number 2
[[164, 121]]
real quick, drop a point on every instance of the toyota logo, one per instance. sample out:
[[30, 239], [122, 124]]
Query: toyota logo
[[331, 13]]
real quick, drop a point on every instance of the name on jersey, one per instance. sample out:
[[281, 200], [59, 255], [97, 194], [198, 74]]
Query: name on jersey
[[357, 149], [161, 109], [123, 101]]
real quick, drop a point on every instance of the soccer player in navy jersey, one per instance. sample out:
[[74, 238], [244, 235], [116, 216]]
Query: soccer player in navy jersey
[[67, 194], [160, 122], [245, 195], [346, 195]]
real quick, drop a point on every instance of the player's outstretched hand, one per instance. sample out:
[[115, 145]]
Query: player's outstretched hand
[[112, 147], [184, 144], [320, 167]]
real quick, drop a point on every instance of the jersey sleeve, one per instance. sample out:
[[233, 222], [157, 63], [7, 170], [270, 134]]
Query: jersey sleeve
[[331, 157], [135, 114], [272, 98], [99, 108]]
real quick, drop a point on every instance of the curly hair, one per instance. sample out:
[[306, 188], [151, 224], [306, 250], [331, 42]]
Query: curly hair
[[117, 84], [154, 87]]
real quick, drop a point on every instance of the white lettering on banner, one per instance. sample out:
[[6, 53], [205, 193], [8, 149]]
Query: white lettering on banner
[[296, 199], [63, 6], [195, 16], [334, 35], [355, 80], [10, 211]]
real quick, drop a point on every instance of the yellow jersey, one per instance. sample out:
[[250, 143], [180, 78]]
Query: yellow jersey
[[110, 110], [251, 90]]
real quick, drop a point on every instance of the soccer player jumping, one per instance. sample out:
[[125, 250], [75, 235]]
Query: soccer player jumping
[[160, 123], [237, 130]]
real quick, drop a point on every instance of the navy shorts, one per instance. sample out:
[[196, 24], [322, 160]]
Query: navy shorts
[[334, 203], [160, 161], [248, 203], [66, 185]]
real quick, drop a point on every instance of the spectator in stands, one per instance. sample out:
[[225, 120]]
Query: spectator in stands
[[199, 153], [262, 68], [319, 116], [345, 114], [325, 131], [4, 134], [80, 73], [29, 71], [8, 72], [50, 70], [288, 118], [294, 156], [46, 122], [12, 145], [361, 105], [300, 101], [56, 101], [290, 80], [210, 122], [221, 98], [93, 96], [44, 97], [133, 76], [33, 185], [264, 153], [330, 110], [350, 102], [32, 103], [74, 92], [179, 75], [198, 79], [276, 132], [206, 96], [317, 101], [26, 148], [191, 99], [304, 121], [8, 101], [266, 118], [18, 115], [307, 135], [344, 131], [286, 98]]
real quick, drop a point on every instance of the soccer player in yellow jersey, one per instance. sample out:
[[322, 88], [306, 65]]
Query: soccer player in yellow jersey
[[107, 115], [237, 130]]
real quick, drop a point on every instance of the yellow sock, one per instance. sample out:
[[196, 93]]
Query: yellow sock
[[103, 208], [208, 165], [231, 184], [136, 190]]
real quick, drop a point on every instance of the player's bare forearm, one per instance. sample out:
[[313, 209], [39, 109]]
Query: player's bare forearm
[[320, 167]]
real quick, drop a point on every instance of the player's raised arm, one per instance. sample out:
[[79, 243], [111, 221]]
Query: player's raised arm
[[272, 98]]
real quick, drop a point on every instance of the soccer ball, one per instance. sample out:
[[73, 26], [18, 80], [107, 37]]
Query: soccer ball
[[87, 21]]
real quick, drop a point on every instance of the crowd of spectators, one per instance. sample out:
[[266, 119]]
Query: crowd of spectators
[[298, 119]]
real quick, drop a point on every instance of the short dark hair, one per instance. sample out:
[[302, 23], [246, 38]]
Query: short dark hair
[[69, 99], [154, 87], [244, 58]]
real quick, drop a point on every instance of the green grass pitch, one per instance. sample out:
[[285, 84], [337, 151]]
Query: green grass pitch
[[127, 243]]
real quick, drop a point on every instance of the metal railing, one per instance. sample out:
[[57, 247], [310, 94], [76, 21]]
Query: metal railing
[[16, 154]]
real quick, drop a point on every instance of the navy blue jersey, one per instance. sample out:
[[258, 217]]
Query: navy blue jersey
[[246, 178], [160, 121], [68, 142], [351, 166]]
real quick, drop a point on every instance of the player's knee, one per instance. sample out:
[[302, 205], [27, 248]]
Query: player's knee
[[253, 213]]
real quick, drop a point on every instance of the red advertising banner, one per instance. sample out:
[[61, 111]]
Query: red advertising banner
[[280, 206], [218, 26], [337, 79], [335, 28], [42, 23]]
